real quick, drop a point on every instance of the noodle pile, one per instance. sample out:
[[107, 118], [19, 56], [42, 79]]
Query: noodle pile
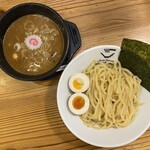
[[113, 95]]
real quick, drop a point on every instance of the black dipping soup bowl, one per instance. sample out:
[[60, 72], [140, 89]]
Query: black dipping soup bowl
[[71, 36]]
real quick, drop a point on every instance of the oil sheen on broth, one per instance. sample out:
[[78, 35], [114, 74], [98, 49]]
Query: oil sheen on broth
[[33, 44]]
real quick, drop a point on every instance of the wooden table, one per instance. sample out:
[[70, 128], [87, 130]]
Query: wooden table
[[29, 117]]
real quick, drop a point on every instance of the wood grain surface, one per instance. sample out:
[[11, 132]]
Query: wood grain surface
[[29, 117]]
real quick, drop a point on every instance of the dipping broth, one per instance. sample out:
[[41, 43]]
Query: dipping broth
[[33, 44]]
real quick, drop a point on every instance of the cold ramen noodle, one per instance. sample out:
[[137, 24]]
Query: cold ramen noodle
[[113, 95], [33, 44]]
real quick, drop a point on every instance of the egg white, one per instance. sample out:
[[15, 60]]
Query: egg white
[[83, 109], [84, 78]]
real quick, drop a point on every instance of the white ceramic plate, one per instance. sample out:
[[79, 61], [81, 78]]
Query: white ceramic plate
[[105, 137]]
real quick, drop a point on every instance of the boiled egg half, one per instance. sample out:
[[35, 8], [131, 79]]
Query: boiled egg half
[[78, 103], [79, 82]]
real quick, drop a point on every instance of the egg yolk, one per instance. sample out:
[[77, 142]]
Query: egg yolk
[[78, 102], [77, 84]]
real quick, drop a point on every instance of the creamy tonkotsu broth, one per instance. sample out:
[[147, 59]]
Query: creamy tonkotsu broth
[[33, 44]]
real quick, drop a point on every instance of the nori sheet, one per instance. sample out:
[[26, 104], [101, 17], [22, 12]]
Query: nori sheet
[[135, 56]]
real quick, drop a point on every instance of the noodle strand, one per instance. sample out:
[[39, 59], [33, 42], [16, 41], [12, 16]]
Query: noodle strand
[[113, 93]]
